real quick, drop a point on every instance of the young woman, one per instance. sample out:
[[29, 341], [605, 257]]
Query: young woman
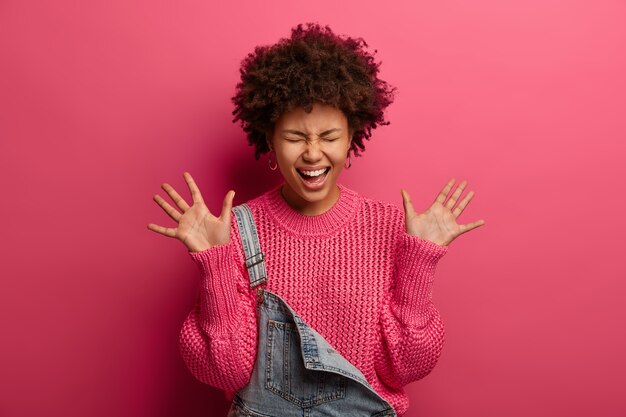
[[356, 270]]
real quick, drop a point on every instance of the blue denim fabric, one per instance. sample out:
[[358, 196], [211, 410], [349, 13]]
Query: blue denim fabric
[[297, 372]]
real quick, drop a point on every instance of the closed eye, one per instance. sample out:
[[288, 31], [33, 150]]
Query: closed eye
[[300, 140]]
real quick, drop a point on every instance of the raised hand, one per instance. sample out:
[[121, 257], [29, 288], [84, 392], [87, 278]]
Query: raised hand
[[438, 223], [198, 229]]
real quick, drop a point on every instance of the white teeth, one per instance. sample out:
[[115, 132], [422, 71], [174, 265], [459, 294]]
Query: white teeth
[[313, 173]]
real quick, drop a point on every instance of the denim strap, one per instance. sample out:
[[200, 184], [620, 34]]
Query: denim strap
[[251, 245]]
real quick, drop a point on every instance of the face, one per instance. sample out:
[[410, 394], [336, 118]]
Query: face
[[316, 144]]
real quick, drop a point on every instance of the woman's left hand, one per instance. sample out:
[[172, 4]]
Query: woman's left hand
[[438, 223]]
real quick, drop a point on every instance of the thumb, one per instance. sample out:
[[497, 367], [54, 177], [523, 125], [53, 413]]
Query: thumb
[[228, 205], [406, 202]]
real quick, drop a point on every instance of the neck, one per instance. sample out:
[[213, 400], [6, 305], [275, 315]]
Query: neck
[[308, 208], [335, 218]]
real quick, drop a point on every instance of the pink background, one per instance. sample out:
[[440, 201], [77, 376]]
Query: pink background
[[102, 101]]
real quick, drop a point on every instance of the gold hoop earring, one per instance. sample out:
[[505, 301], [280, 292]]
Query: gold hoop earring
[[269, 160], [349, 161]]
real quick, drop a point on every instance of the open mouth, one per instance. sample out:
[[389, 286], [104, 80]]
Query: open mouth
[[314, 177]]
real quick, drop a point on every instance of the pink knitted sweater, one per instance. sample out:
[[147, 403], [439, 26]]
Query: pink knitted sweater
[[352, 273]]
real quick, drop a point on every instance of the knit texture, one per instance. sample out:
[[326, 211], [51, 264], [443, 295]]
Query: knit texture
[[352, 273]]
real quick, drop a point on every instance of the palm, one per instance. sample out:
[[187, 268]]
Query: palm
[[197, 227], [439, 222]]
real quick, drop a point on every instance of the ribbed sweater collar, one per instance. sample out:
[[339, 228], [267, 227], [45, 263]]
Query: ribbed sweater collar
[[325, 224]]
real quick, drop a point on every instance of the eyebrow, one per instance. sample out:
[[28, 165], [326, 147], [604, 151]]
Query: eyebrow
[[297, 132]]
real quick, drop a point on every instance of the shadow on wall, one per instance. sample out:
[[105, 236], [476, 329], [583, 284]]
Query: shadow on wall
[[249, 178], [192, 398]]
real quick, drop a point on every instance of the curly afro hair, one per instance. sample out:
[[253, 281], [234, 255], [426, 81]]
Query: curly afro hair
[[314, 65]]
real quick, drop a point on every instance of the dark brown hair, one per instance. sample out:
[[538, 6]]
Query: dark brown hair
[[314, 65]]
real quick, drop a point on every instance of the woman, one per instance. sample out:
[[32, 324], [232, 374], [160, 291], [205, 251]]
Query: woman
[[357, 270]]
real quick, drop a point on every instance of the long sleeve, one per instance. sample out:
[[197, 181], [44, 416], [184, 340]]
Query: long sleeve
[[218, 337], [410, 328]]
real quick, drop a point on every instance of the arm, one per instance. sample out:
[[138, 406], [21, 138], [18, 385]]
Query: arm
[[218, 338], [410, 329]]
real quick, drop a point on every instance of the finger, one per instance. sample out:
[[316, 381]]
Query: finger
[[171, 211], [193, 188], [443, 194], [470, 226], [406, 202], [452, 201], [227, 206], [180, 202], [457, 211], [166, 231]]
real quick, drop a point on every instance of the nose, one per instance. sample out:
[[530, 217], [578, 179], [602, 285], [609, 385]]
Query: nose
[[313, 151]]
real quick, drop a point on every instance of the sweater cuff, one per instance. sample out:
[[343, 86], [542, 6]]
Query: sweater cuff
[[218, 287], [415, 263]]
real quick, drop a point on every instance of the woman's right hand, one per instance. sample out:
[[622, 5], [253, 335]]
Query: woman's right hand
[[198, 228]]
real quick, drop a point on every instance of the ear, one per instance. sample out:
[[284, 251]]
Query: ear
[[351, 133]]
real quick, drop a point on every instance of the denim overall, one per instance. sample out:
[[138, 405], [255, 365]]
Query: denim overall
[[297, 372]]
